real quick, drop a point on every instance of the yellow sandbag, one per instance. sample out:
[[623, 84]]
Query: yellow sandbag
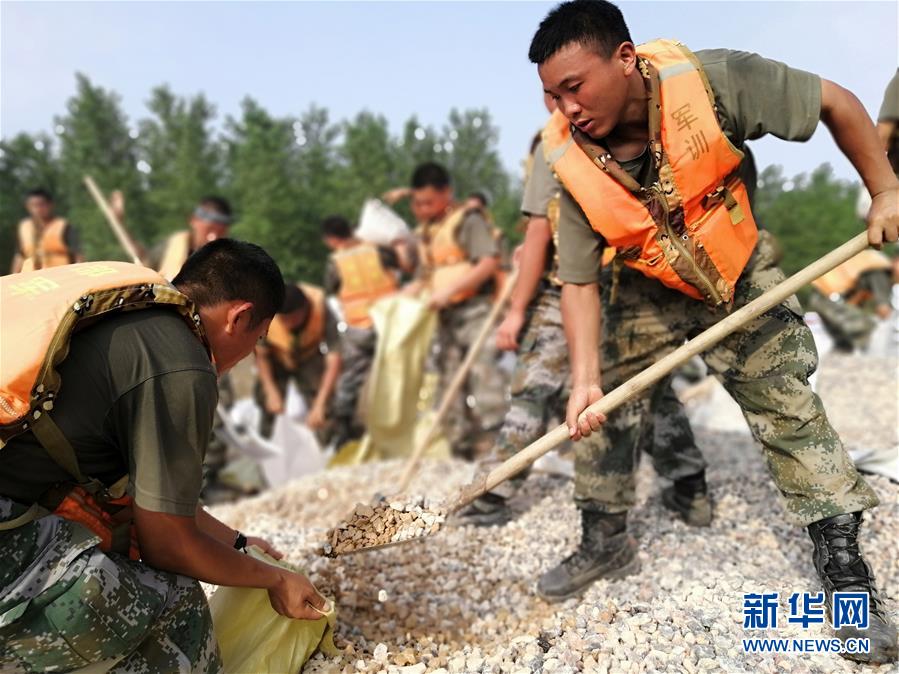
[[254, 638], [405, 327]]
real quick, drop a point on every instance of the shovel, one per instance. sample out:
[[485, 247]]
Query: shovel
[[702, 342]]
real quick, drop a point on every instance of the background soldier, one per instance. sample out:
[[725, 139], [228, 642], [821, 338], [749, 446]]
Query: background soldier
[[359, 274], [302, 345], [211, 220], [44, 238]]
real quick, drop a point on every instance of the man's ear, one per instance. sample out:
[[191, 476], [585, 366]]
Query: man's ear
[[239, 314], [627, 55]]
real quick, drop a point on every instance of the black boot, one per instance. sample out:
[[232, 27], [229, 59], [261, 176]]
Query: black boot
[[842, 568], [486, 511], [689, 498], [606, 551]]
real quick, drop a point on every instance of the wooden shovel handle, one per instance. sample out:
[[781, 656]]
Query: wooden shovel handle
[[663, 367], [117, 227]]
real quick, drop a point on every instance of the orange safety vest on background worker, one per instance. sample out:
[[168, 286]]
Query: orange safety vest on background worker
[[41, 311], [363, 281], [446, 259], [291, 349], [177, 250], [44, 247], [693, 229], [842, 279]]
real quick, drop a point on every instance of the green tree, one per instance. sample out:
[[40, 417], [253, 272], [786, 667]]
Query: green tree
[[370, 159], [95, 141], [183, 158], [26, 162]]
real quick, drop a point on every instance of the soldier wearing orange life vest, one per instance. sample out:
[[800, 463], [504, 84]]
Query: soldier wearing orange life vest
[[44, 239], [210, 220], [303, 346], [108, 379], [458, 262], [645, 145], [358, 274]]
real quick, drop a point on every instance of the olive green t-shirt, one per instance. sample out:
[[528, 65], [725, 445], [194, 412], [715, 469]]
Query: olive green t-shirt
[[889, 112], [755, 96], [474, 235], [138, 396]]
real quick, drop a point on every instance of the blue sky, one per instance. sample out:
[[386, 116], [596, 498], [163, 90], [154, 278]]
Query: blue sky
[[400, 58]]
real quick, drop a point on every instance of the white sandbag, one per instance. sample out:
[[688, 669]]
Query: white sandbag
[[379, 224], [298, 452]]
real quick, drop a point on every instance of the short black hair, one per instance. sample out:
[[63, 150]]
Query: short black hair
[[41, 192], [337, 226], [294, 299], [225, 270], [596, 24], [430, 174], [216, 203], [480, 196]]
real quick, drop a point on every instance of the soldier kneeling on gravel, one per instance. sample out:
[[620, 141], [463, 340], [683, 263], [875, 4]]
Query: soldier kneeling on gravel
[[646, 145], [107, 410]]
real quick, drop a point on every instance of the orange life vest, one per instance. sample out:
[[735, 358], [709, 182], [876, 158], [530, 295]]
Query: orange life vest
[[41, 311], [842, 279], [446, 259], [43, 247], [177, 250], [693, 229], [363, 281], [293, 348]]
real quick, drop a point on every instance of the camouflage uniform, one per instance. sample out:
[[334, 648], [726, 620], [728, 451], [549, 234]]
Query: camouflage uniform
[[850, 325], [764, 365], [64, 604], [357, 352], [540, 389], [481, 403]]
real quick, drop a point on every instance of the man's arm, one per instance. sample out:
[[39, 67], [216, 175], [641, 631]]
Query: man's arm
[[274, 401], [479, 273], [581, 318], [531, 267], [856, 137], [178, 544], [333, 363]]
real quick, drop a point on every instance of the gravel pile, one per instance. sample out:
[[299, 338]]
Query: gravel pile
[[462, 600]]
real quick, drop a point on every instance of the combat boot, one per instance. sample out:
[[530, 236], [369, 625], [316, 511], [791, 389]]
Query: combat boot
[[689, 498], [606, 551], [489, 510], [842, 568]]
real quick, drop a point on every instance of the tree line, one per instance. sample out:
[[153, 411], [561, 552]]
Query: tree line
[[283, 175]]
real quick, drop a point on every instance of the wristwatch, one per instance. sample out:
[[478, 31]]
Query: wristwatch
[[240, 543]]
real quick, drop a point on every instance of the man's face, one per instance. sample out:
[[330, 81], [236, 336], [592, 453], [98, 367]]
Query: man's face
[[204, 231], [231, 337], [295, 320], [39, 208], [430, 203], [591, 91]]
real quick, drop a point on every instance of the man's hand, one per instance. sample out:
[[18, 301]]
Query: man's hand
[[316, 417], [293, 596], [265, 546], [274, 402], [581, 397], [440, 299], [390, 197], [883, 217], [507, 334], [883, 311]]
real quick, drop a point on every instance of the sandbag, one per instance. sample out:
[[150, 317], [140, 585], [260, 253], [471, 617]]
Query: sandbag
[[379, 224], [253, 637]]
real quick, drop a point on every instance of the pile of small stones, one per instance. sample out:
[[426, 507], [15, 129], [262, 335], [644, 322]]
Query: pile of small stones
[[383, 523], [463, 601]]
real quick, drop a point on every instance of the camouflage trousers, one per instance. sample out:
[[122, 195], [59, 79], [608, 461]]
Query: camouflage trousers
[[850, 324], [764, 366], [65, 605], [306, 378], [540, 387], [481, 403], [357, 351]]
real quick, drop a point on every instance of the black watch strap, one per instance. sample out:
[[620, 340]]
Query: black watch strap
[[240, 542]]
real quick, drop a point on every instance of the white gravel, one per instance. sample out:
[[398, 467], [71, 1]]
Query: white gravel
[[462, 600]]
